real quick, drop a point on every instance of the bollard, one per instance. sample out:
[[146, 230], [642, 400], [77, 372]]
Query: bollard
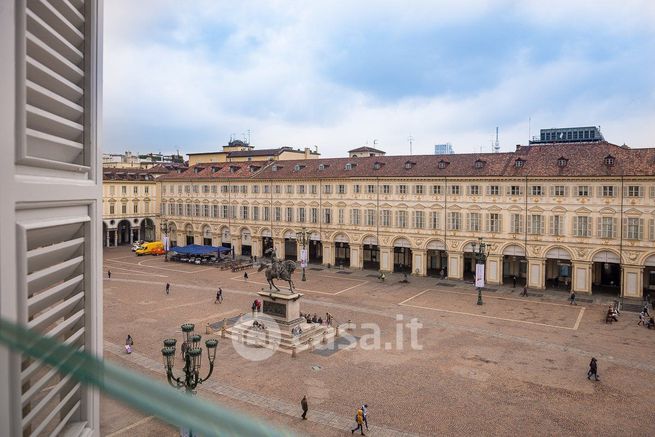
[[293, 352], [208, 329], [324, 341], [336, 334], [223, 331]]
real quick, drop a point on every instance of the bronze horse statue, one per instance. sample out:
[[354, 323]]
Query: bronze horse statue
[[279, 270]]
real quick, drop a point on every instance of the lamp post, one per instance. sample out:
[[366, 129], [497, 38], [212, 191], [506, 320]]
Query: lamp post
[[481, 258], [164, 229], [192, 360], [303, 258]]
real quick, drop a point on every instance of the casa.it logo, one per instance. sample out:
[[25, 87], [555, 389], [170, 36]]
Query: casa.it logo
[[256, 339]]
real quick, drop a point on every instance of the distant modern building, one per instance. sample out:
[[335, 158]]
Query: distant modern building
[[443, 149], [130, 160], [569, 135], [240, 151], [365, 151]]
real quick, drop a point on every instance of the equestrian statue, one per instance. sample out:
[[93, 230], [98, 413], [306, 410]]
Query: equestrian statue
[[278, 270]]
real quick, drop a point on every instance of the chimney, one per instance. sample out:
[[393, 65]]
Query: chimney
[[307, 152], [518, 146]]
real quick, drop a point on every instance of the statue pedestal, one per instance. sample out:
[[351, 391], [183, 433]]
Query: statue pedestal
[[284, 308]]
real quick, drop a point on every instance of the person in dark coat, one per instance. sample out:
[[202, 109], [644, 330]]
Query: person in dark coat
[[525, 291], [514, 281], [305, 407], [168, 288], [593, 369], [108, 274]]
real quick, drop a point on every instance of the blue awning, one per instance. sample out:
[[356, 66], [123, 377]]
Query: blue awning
[[197, 249]]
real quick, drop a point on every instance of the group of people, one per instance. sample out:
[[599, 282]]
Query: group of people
[[317, 319], [361, 416], [256, 306], [643, 315], [612, 314]]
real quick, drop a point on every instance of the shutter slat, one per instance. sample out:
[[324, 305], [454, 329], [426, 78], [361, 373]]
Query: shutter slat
[[45, 32], [57, 409], [52, 124], [45, 146], [29, 371], [64, 420], [43, 75], [69, 11], [42, 257], [41, 279], [53, 59], [62, 291], [37, 385], [54, 391], [47, 100], [60, 310], [59, 22]]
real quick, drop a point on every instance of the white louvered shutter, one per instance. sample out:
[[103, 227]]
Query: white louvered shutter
[[52, 206]]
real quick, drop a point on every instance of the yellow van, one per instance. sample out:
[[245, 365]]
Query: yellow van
[[149, 248]]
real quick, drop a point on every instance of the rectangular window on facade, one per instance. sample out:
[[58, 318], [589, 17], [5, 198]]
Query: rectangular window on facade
[[112, 209], [234, 189], [454, 190], [124, 190], [608, 191], [583, 190], [301, 215], [313, 215], [215, 211], [288, 216], [386, 189], [435, 220], [556, 226], [267, 189], [289, 189], [313, 189], [124, 208], [188, 210], [205, 210], [473, 222], [224, 212], [494, 190], [277, 214], [493, 222], [233, 212], [135, 208], [401, 219], [301, 189], [419, 219], [357, 188], [536, 190], [418, 189], [385, 218], [651, 229], [244, 189], [244, 212], [327, 189], [146, 190], [454, 221], [255, 189], [267, 213], [515, 190], [196, 210], [559, 191], [474, 190], [112, 190], [516, 224], [633, 191], [195, 188], [582, 226], [369, 217], [278, 189], [255, 213], [180, 209], [436, 190], [341, 189], [370, 189], [340, 216], [179, 189], [205, 189], [354, 217], [327, 216], [633, 228], [607, 227], [402, 189], [535, 224]]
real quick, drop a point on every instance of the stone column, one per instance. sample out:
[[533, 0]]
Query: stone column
[[581, 277], [632, 281], [236, 245], [278, 244], [356, 256], [256, 243], [386, 258], [328, 253], [455, 265], [298, 249], [131, 235], [107, 237], [536, 273], [494, 270], [116, 237], [419, 262], [138, 234]]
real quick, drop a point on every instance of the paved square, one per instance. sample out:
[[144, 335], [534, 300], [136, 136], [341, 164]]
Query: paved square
[[512, 363]]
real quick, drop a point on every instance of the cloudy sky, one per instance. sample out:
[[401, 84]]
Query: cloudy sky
[[341, 74]]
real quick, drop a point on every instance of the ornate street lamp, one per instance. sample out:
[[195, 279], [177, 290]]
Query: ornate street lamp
[[164, 229], [303, 261], [481, 258], [192, 359]]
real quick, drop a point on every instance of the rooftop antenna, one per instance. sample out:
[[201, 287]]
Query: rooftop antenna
[[411, 142], [529, 129], [248, 136], [496, 144]]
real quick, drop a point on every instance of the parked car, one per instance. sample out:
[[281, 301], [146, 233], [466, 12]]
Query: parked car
[[147, 248]]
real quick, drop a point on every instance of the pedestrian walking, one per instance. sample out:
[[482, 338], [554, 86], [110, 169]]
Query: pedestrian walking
[[108, 274], [645, 310], [305, 407], [359, 421], [642, 319], [245, 276], [573, 302], [365, 414], [525, 291], [183, 348], [442, 274], [168, 288], [254, 307], [593, 369], [514, 281], [219, 296]]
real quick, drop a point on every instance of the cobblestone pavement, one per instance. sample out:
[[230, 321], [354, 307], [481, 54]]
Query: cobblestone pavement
[[512, 365]]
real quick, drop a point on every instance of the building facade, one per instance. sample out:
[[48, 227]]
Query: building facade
[[573, 217], [129, 203], [240, 151]]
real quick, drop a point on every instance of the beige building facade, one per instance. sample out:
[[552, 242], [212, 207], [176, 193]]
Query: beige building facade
[[573, 217], [239, 151]]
